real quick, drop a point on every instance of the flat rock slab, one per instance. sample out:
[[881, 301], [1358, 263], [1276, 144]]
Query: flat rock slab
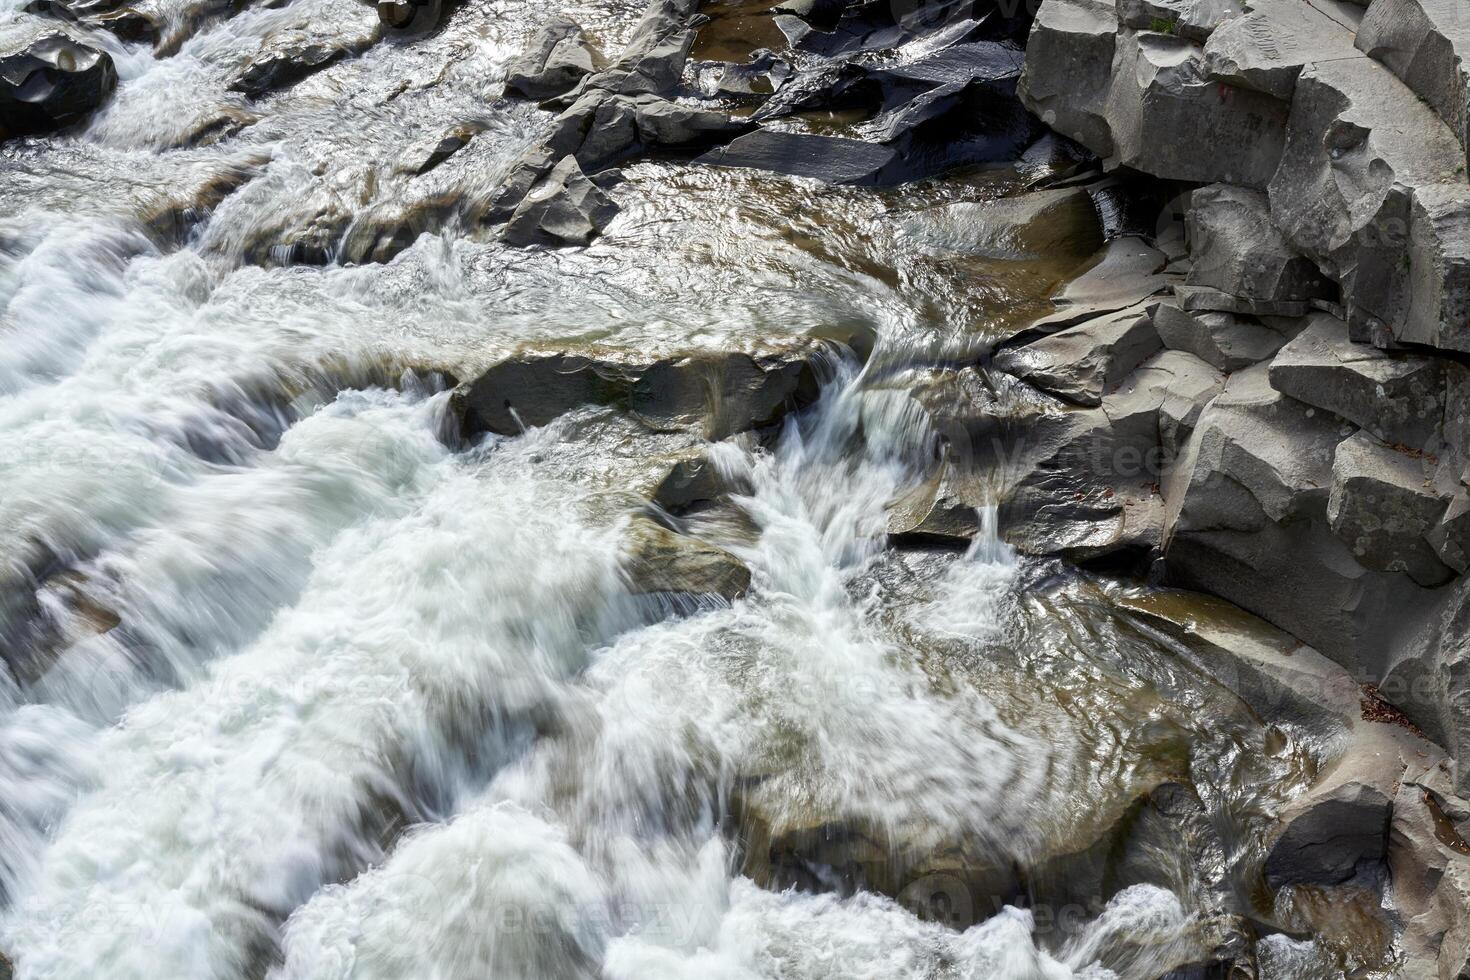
[[833, 159], [1267, 48]]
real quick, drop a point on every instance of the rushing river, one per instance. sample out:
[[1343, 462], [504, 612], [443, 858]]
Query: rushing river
[[305, 686]]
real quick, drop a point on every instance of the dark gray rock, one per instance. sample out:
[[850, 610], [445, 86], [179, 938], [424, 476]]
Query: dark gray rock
[[1170, 120], [1430, 864], [564, 208], [1196, 20], [833, 159], [717, 393], [1082, 363], [1267, 48], [1224, 340], [1069, 69], [1123, 274], [49, 79], [652, 63], [1425, 43], [1241, 263], [1337, 830], [297, 50], [1383, 506], [1400, 398], [558, 57]]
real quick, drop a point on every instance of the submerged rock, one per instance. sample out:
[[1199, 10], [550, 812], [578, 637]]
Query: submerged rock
[[658, 560], [48, 80], [293, 52]]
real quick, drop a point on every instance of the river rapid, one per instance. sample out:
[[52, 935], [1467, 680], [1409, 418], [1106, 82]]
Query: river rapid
[[305, 685]]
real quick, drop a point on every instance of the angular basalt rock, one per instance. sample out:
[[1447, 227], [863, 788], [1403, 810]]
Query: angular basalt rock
[[1196, 20], [1170, 120], [716, 393], [1240, 263], [1357, 138], [1267, 48], [1430, 863], [1069, 69], [1400, 398], [48, 80], [1080, 364], [1224, 340], [1425, 43], [834, 159], [558, 57], [658, 560], [565, 208], [1383, 505]]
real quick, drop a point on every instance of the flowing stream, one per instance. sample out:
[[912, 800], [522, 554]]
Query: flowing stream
[[304, 687]]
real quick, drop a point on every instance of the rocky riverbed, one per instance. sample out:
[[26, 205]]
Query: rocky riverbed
[[883, 488]]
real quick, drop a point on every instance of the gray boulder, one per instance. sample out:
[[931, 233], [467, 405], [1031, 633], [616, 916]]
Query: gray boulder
[[296, 50], [1355, 134], [1412, 283], [1337, 830], [657, 560], [1400, 398], [1267, 48], [48, 79], [834, 159], [1383, 506], [1430, 863], [1240, 263], [558, 57], [1168, 118], [1038, 224], [1224, 340], [716, 393], [653, 60], [564, 208], [1123, 274], [1451, 538], [1082, 363], [1192, 19], [1425, 43], [943, 508], [1069, 69]]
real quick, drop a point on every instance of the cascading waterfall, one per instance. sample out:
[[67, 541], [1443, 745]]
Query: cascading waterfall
[[304, 687]]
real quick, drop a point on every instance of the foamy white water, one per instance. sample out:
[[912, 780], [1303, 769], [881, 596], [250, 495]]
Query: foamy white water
[[303, 687]]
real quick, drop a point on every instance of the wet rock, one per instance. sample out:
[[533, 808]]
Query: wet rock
[[1039, 224], [558, 57], [1400, 398], [689, 482], [1355, 133], [1122, 275], [125, 20], [48, 80], [1430, 863], [411, 16], [836, 160], [1266, 49], [718, 393], [425, 155], [943, 508], [1383, 506], [653, 61], [1338, 829], [1081, 363], [754, 81], [293, 52], [1192, 19], [565, 208], [1170, 120], [1069, 67], [658, 560], [1224, 340], [1425, 43], [1240, 263]]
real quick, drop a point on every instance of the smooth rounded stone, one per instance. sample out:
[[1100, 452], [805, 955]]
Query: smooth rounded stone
[[1235, 250], [49, 79], [660, 561], [1069, 69], [1038, 224], [1081, 363], [943, 508], [1425, 43], [1356, 136], [1335, 833], [1196, 20], [565, 208], [717, 393], [1266, 49], [1430, 864], [689, 482], [1412, 283], [294, 51], [1224, 340], [1169, 120], [1400, 398], [1383, 505], [557, 58]]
